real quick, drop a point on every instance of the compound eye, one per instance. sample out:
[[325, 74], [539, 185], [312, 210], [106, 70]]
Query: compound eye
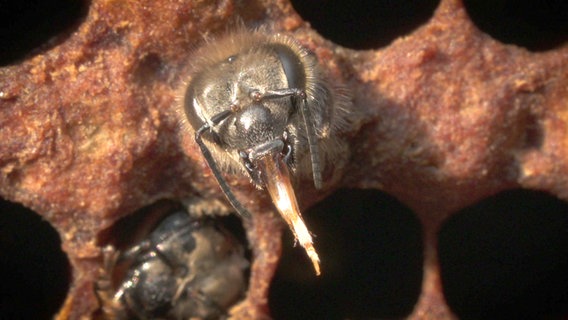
[[197, 112], [189, 106], [292, 65]]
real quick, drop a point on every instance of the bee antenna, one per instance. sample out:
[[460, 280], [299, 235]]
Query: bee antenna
[[241, 210], [296, 76], [312, 142], [298, 94]]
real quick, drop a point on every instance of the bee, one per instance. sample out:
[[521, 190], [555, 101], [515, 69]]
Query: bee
[[184, 269], [259, 104]]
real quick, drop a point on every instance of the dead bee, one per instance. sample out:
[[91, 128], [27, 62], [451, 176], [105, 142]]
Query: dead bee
[[259, 104], [184, 269]]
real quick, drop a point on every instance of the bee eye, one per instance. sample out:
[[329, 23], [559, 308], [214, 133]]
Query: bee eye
[[231, 59], [293, 67]]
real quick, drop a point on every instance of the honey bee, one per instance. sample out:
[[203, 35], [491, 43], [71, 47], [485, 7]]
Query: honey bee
[[184, 269], [259, 104]]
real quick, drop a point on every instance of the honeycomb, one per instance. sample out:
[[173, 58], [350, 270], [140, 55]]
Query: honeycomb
[[453, 204]]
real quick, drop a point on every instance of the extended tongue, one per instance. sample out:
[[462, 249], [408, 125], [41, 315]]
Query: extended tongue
[[276, 178]]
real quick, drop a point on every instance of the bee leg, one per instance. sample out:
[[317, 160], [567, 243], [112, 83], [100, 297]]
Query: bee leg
[[241, 210], [110, 307]]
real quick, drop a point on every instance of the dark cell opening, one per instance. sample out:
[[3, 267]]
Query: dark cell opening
[[507, 258], [135, 227], [537, 25], [365, 24], [27, 25], [157, 246], [370, 247], [35, 271]]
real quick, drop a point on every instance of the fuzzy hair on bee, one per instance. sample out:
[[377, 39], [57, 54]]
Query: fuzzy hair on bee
[[259, 104], [332, 105]]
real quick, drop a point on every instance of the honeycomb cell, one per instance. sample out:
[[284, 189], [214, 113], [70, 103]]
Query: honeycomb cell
[[35, 271], [371, 250], [535, 25], [506, 257], [90, 132], [365, 24], [185, 267]]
